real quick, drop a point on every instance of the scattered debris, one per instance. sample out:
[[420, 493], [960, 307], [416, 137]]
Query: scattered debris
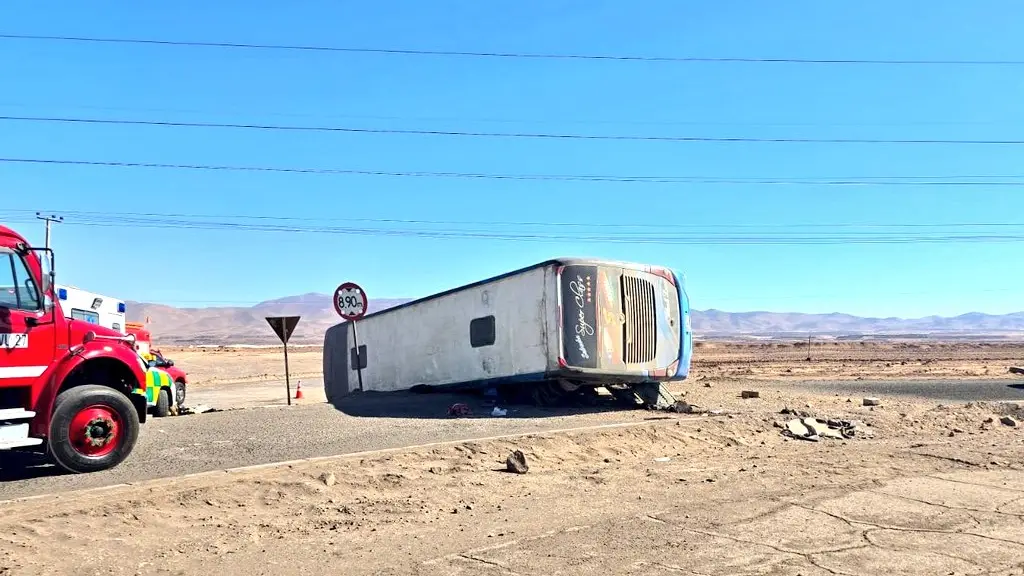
[[707, 384], [200, 409], [1016, 370], [1008, 421], [792, 412], [988, 420], [746, 394], [683, 407], [813, 429], [869, 401], [516, 463], [662, 459], [459, 409], [499, 412], [328, 479]]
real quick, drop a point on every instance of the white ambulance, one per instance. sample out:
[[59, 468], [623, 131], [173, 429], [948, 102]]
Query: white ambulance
[[94, 308]]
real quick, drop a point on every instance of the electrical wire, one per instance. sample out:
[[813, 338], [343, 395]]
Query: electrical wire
[[531, 236], [516, 55], [494, 223], [864, 181], [1003, 122], [531, 135]]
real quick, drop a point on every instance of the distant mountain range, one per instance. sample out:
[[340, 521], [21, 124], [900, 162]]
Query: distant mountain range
[[246, 325]]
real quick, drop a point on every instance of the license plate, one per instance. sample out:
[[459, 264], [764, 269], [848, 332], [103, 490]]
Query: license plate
[[10, 341]]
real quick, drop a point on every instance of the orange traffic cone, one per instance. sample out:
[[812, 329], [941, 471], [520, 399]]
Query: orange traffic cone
[[298, 390]]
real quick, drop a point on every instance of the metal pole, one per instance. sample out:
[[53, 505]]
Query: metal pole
[[49, 219], [359, 360], [287, 381]]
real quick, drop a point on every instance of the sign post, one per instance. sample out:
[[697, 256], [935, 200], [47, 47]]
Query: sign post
[[284, 326], [350, 303]]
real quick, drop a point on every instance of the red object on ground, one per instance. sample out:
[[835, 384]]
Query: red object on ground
[[298, 391]]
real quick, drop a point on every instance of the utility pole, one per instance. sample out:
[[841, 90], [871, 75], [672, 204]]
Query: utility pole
[[49, 220]]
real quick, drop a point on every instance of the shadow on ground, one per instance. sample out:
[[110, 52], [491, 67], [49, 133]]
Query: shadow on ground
[[16, 466], [437, 405]]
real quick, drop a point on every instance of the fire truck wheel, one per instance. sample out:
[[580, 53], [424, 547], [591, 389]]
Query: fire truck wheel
[[93, 428]]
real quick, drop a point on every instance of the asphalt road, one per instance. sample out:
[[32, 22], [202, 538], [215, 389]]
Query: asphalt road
[[951, 391], [258, 435], [214, 441]]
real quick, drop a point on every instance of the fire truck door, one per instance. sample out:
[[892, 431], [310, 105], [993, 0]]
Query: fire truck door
[[27, 330]]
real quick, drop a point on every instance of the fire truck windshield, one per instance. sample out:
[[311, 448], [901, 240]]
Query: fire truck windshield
[[17, 288]]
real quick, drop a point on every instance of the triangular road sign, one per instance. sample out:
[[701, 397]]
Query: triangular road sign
[[283, 326]]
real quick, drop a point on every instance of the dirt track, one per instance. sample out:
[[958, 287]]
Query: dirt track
[[936, 491]]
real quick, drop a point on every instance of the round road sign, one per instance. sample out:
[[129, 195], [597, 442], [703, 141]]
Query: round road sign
[[350, 301]]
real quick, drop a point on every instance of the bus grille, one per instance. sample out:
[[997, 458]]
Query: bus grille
[[640, 334]]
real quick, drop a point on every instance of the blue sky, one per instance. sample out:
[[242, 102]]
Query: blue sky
[[210, 267]]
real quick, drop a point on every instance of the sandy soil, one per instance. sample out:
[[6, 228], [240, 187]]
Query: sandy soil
[[712, 360], [934, 490]]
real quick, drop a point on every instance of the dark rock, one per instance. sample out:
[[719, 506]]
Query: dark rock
[[516, 463]]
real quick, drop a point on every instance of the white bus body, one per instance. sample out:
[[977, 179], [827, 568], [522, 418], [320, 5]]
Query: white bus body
[[587, 322], [90, 307]]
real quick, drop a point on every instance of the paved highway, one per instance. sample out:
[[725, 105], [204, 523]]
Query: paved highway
[[197, 443], [950, 391], [258, 435]]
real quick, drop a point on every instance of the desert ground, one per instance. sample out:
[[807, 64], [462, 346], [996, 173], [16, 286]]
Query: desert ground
[[923, 487], [711, 361]]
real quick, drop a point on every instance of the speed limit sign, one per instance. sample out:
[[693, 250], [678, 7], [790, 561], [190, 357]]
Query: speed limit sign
[[350, 301]]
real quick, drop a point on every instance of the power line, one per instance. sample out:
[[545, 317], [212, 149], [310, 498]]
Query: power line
[[115, 216], [495, 54], [659, 239], [483, 134], [863, 181], [507, 120]]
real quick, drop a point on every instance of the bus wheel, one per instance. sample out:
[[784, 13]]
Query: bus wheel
[[179, 393], [163, 404], [93, 428]]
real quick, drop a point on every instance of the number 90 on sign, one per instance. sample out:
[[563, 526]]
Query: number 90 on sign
[[350, 301]]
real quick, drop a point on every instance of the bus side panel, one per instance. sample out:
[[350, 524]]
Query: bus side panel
[[430, 342]]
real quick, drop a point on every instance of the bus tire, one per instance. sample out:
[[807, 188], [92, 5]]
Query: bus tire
[[179, 392], [93, 428], [163, 404]]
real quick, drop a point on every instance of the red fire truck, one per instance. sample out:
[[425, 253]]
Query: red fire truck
[[68, 388]]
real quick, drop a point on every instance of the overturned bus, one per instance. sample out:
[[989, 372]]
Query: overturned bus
[[558, 325]]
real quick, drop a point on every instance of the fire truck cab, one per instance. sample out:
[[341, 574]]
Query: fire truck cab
[[69, 388]]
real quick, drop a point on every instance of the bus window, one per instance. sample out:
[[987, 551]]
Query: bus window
[[85, 315]]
